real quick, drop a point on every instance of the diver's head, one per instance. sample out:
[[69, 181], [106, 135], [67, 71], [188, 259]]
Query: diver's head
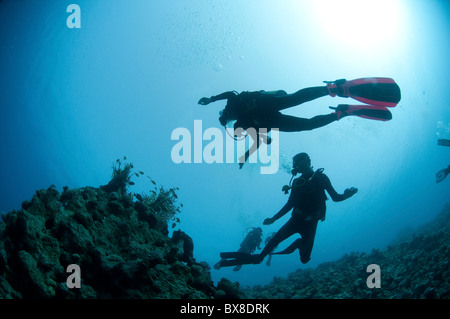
[[300, 163], [228, 114], [225, 117]]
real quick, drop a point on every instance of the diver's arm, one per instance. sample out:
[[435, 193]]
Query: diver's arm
[[250, 151], [280, 214], [335, 196], [222, 96]]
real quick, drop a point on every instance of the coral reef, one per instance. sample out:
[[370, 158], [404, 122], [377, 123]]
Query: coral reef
[[411, 268], [119, 240]]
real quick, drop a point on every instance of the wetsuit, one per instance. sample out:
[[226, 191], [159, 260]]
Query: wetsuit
[[307, 199], [251, 242], [262, 109]]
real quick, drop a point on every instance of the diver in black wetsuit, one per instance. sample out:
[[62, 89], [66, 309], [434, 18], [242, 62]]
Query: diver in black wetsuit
[[261, 109], [307, 201], [251, 242]]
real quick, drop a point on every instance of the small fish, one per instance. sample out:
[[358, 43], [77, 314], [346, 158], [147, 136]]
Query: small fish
[[130, 183], [173, 193]]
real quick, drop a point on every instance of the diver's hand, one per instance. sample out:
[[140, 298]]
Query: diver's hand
[[268, 221], [204, 101], [349, 192]]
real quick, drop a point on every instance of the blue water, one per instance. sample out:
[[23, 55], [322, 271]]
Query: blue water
[[72, 101]]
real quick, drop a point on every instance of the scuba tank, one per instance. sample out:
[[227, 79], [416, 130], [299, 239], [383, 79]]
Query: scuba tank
[[248, 230], [277, 93], [252, 239]]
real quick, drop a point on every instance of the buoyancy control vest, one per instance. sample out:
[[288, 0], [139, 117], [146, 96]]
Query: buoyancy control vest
[[247, 103], [308, 196]]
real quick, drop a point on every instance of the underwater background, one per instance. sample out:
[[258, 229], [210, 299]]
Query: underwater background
[[72, 101]]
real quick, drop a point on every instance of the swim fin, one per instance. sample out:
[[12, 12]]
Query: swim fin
[[237, 258], [442, 174], [374, 91], [370, 112], [444, 142]]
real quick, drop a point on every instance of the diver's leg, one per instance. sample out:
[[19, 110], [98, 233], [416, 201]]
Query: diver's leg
[[299, 97], [244, 251], [284, 232], [287, 123], [243, 260], [237, 258], [291, 248], [308, 235]]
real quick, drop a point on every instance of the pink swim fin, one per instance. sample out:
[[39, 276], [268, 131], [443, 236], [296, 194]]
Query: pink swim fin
[[373, 91], [371, 112]]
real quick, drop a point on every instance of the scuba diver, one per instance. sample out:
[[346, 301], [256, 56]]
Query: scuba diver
[[261, 109], [307, 201], [442, 174], [250, 243]]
